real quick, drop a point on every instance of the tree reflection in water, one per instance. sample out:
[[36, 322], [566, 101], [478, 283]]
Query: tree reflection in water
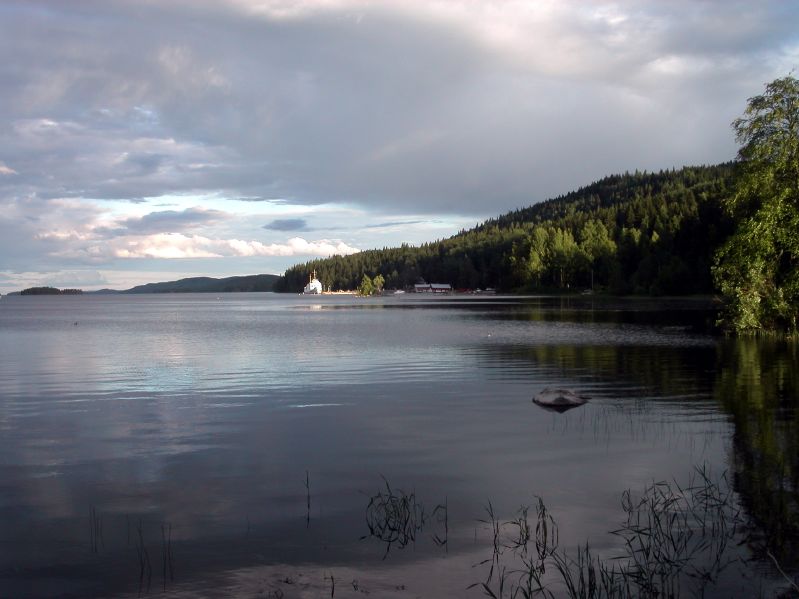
[[758, 385], [755, 382]]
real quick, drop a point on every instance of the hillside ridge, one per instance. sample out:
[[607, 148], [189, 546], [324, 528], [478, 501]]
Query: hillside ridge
[[642, 232]]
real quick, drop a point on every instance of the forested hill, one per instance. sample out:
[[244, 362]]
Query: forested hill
[[209, 285], [649, 233]]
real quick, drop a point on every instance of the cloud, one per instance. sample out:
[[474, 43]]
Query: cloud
[[74, 232], [178, 246], [287, 224], [259, 199], [395, 223], [31, 229], [470, 108], [7, 170], [142, 163], [75, 278], [169, 221]]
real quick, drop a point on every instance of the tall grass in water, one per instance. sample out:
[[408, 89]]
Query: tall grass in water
[[675, 541], [307, 499], [166, 552], [145, 567], [526, 580], [441, 513], [95, 530], [396, 517]]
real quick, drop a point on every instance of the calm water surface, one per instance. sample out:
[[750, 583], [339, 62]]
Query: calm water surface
[[195, 445]]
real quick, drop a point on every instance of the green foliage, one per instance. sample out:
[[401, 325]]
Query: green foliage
[[651, 233], [757, 269], [371, 286], [366, 287]]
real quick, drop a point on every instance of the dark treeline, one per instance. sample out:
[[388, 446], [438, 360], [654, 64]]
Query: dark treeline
[[49, 291], [643, 233]]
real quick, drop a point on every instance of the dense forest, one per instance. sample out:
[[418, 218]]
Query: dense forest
[[643, 233], [49, 291]]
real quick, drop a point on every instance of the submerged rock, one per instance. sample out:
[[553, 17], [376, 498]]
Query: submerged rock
[[559, 400]]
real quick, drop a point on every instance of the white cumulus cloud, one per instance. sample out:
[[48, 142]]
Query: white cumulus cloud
[[180, 246]]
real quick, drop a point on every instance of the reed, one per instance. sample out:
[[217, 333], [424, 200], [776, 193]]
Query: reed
[[96, 539], [546, 532], [396, 517], [166, 551], [676, 540], [307, 500], [495, 527], [145, 567], [790, 581], [522, 531], [441, 513]]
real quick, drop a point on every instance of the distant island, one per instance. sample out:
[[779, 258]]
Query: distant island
[[203, 285], [209, 285], [50, 291], [246, 283]]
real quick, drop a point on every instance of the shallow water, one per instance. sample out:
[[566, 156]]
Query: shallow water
[[209, 445]]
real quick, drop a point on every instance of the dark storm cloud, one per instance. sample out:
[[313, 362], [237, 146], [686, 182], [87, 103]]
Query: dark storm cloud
[[144, 163], [395, 223], [287, 224], [398, 107], [169, 221]]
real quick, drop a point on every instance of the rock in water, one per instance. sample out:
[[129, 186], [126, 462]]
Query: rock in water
[[559, 400]]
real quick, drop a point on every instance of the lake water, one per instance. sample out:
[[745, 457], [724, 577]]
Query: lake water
[[288, 446]]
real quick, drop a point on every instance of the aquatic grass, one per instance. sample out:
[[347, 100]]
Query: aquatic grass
[[530, 582], [441, 513], [307, 500], [166, 549], [673, 532], [96, 539], [791, 582], [516, 535], [531, 574], [396, 517], [495, 526], [145, 567], [546, 531], [523, 533], [675, 539], [579, 574]]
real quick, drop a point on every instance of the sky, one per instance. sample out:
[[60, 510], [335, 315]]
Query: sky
[[146, 140]]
